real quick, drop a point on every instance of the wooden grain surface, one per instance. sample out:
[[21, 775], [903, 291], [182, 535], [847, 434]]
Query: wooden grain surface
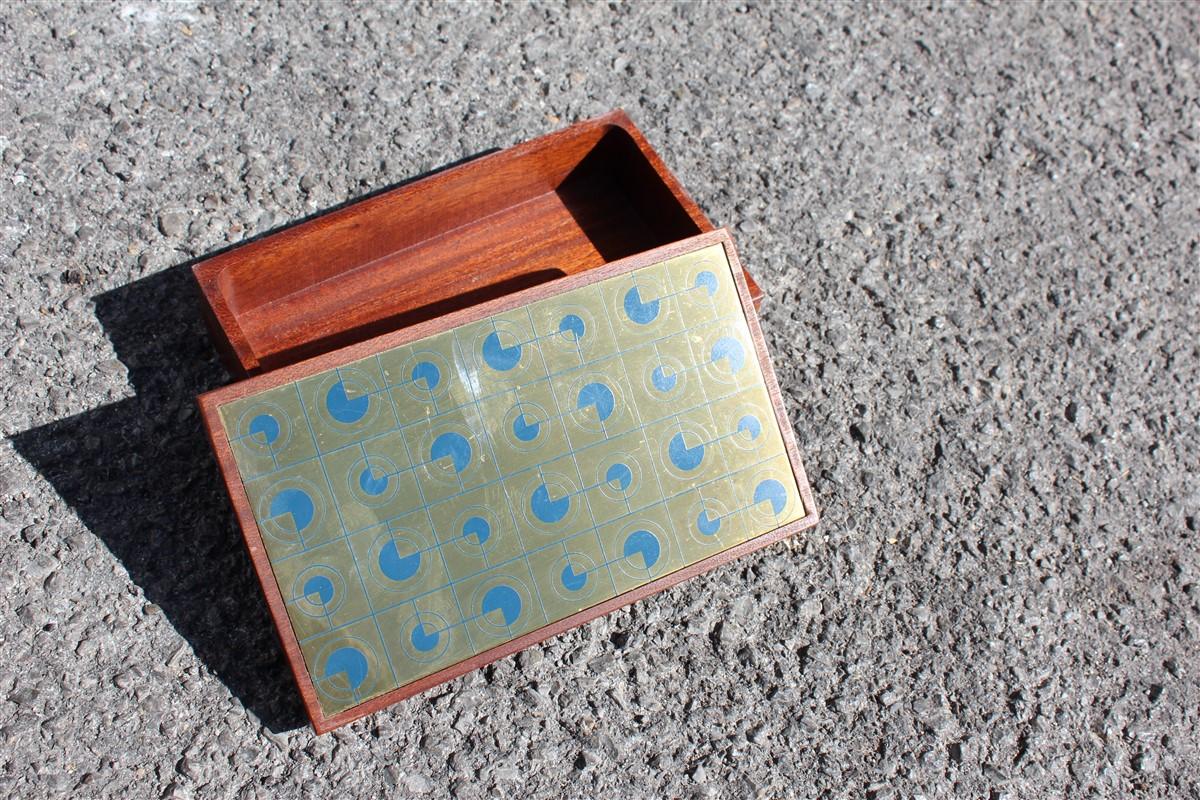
[[567, 202]]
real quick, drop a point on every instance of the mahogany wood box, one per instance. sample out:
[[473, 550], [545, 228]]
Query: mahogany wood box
[[497, 232], [567, 202]]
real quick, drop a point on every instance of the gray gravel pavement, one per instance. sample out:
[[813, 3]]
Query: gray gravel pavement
[[978, 227]]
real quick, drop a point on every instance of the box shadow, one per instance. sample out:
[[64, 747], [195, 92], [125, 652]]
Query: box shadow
[[140, 475]]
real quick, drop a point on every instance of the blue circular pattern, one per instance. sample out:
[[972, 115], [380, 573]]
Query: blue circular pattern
[[342, 407], [426, 375], [372, 483], [294, 506], [771, 491], [499, 357], [640, 312], [708, 524], [664, 378], [731, 351], [599, 397], [643, 545], [504, 600], [572, 580], [526, 428], [264, 429], [684, 457], [707, 281], [572, 327], [350, 664], [454, 446], [319, 586], [547, 510], [425, 638], [476, 530], [750, 426], [572, 577], [398, 566], [619, 474], [318, 592]]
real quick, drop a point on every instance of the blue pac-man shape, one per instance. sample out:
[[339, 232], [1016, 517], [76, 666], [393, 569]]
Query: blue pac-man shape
[[707, 281], [502, 598], [664, 378], [264, 429], [643, 544], [731, 350], [547, 510], [477, 530], [572, 580], [707, 525], [320, 586], [639, 311], [398, 566], [350, 663], [426, 372], [572, 327], [342, 407], [526, 428], [771, 491], [499, 357], [425, 639], [295, 504], [684, 457], [620, 474], [453, 446], [749, 424], [371, 483], [599, 397]]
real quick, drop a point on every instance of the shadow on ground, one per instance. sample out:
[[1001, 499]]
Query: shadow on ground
[[141, 477]]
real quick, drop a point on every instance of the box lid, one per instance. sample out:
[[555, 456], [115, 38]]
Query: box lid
[[422, 503]]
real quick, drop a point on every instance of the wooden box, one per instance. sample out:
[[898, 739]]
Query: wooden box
[[365, 335], [557, 205]]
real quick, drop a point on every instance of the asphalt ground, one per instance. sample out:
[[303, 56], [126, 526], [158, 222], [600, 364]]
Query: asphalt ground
[[977, 227]]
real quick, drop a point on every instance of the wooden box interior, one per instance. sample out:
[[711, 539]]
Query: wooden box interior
[[567, 202]]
